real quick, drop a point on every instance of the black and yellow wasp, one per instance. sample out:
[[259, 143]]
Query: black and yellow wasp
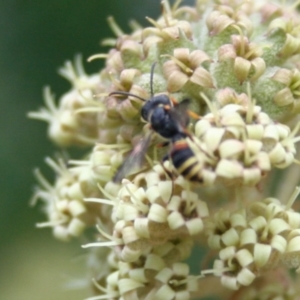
[[169, 119]]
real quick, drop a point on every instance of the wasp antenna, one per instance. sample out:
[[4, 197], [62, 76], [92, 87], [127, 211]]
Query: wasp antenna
[[127, 94], [151, 79]]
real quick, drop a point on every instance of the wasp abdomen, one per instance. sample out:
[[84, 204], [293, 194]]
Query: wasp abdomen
[[185, 161]]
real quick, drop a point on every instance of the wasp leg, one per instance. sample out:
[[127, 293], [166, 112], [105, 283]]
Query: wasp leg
[[163, 144]]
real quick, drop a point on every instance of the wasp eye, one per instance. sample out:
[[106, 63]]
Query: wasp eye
[[146, 109]]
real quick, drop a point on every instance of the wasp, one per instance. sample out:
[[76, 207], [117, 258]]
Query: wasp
[[169, 119]]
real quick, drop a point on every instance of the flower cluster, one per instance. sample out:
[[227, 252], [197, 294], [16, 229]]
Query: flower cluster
[[67, 212], [253, 240], [221, 79], [239, 143]]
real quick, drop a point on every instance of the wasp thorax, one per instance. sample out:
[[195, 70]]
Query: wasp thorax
[[152, 104]]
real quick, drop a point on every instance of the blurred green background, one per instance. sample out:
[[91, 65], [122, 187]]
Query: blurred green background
[[36, 38]]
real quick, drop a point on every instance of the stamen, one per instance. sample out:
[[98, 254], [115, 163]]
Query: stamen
[[42, 115], [104, 234], [211, 107], [114, 146], [96, 56], [59, 168], [166, 10], [154, 23], [79, 66], [100, 201], [102, 297], [89, 110], [103, 244], [85, 139], [42, 180], [106, 194], [176, 5], [293, 197], [179, 63], [213, 271], [109, 42], [252, 102], [78, 162], [135, 25], [116, 29], [49, 100], [98, 286], [49, 224]]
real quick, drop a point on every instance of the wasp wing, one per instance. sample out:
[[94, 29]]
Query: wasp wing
[[179, 113], [134, 160]]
